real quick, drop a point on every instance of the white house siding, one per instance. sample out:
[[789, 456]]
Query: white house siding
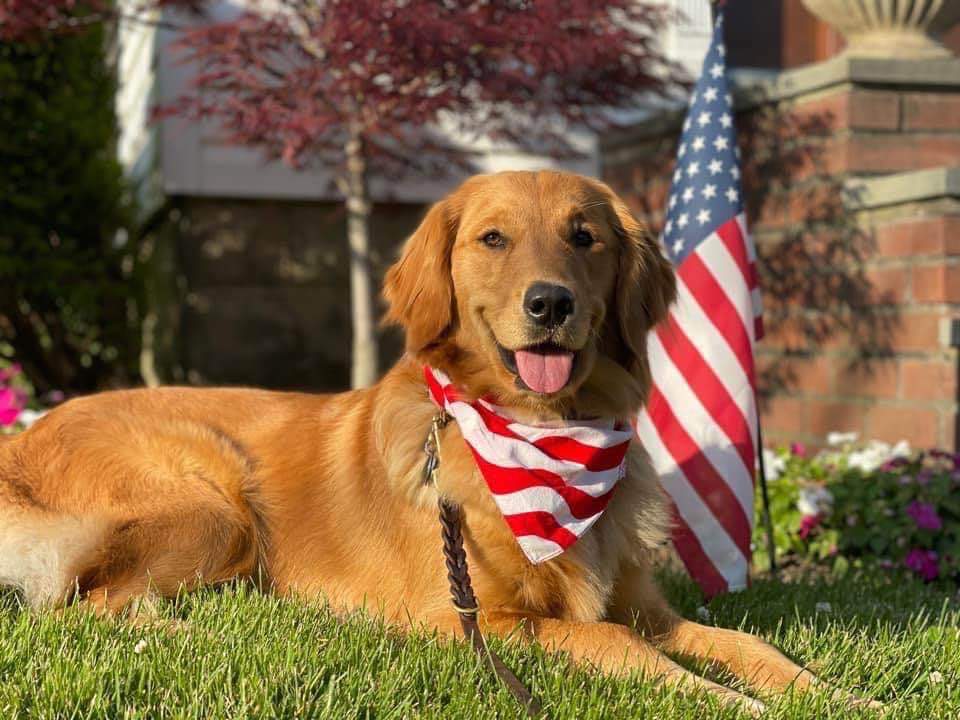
[[175, 157], [136, 82], [687, 40]]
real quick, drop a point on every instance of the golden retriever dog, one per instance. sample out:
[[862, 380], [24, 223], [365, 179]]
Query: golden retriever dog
[[118, 495]]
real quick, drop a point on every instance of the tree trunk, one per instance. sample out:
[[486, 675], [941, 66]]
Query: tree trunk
[[363, 366]]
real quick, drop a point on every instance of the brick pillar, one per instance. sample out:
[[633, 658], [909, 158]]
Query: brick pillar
[[852, 173]]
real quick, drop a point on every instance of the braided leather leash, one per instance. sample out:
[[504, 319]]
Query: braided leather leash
[[461, 589]]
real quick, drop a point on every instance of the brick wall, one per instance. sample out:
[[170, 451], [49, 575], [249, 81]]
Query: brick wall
[[852, 173]]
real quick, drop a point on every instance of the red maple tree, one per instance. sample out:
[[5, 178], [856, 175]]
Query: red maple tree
[[366, 87], [388, 88], [26, 19]]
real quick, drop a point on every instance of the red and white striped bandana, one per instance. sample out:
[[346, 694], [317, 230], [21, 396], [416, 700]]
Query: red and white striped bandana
[[550, 482]]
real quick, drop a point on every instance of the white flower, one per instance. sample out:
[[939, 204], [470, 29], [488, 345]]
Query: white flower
[[901, 449], [836, 439], [140, 646], [703, 614], [936, 677], [28, 417], [824, 607], [876, 454], [774, 464], [814, 500]]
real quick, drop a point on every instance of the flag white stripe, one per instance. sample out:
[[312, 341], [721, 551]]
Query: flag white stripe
[[701, 427], [721, 550], [744, 233]]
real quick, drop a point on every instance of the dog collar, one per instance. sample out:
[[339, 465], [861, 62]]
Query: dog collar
[[551, 483]]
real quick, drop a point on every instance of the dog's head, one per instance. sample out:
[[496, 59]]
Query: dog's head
[[536, 288]]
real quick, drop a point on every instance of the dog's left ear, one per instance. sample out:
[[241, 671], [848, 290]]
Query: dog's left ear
[[646, 287], [418, 287]]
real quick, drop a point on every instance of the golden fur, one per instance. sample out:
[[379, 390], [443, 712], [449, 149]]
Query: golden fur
[[119, 494]]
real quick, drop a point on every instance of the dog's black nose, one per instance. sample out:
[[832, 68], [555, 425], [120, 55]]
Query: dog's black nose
[[548, 305]]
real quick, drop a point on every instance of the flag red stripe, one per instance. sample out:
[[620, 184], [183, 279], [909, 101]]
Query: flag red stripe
[[690, 550], [504, 480], [754, 283], [701, 378], [717, 306], [541, 524], [716, 494]]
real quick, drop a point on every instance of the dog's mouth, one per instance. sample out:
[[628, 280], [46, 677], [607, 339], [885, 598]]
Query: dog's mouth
[[545, 368]]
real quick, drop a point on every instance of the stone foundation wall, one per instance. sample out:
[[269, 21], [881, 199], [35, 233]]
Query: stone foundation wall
[[852, 181]]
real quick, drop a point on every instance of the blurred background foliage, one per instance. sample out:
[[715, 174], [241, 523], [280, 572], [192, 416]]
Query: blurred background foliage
[[69, 291]]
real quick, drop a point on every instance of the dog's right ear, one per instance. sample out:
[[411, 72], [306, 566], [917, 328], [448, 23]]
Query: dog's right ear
[[418, 287]]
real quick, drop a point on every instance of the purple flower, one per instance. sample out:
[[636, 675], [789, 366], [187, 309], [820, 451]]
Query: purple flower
[[924, 515], [923, 477], [808, 524], [893, 464], [798, 449], [923, 563], [906, 479]]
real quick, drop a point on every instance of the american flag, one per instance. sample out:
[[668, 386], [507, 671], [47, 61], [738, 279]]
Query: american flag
[[700, 423]]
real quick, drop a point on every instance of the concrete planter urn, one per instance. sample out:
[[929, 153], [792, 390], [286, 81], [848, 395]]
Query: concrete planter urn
[[890, 28]]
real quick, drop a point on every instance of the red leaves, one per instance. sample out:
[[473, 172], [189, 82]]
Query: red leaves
[[293, 82], [21, 18], [295, 76], [28, 19]]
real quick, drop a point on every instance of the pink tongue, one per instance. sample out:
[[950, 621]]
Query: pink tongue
[[544, 372]]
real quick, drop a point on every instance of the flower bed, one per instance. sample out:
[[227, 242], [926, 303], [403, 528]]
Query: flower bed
[[16, 403], [866, 504]]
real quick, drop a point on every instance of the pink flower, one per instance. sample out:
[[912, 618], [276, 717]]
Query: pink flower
[[808, 524], [924, 515], [798, 449], [11, 404], [923, 563]]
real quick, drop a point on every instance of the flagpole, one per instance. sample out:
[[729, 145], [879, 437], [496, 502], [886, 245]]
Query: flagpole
[[764, 494]]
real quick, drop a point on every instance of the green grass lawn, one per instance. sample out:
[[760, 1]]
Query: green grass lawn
[[243, 654]]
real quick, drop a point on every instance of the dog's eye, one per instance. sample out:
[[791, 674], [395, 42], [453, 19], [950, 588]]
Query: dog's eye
[[493, 239], [582, 238]]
